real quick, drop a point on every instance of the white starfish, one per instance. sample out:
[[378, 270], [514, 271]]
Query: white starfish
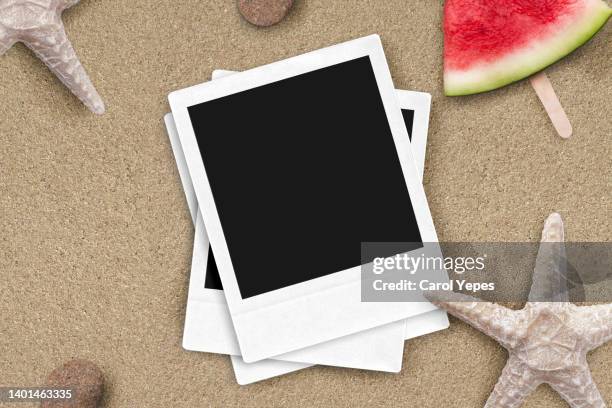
[[38, 24], [548, 339]]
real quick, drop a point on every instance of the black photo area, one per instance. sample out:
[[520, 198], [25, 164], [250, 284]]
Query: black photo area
[[302, 172], [408, 115], [213, 280]]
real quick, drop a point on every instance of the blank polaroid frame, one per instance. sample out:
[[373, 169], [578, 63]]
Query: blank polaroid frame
[[413, 105], [277, 319]]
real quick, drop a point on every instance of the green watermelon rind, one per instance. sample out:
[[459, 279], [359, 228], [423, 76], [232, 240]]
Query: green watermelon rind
[[457, 83]]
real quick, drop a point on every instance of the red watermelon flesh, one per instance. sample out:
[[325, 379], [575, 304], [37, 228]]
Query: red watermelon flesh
[[491, 43]]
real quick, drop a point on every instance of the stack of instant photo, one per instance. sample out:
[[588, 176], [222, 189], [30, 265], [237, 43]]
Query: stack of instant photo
[[287, 169]]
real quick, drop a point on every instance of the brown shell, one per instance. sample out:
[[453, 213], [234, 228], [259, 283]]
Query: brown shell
[[84, 377], [264, 13]]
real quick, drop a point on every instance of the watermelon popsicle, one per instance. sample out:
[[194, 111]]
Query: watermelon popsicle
[[492, 43]]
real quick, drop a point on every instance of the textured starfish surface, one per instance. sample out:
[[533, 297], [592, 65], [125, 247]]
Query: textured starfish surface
[[548, 339], [38, 24]]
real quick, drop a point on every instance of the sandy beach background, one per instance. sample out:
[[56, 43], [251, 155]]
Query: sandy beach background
[[96, 238]]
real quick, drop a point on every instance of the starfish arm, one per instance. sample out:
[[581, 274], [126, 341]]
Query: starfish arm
[[5, 45], [550, 273], [6, 40], [492, 319], [52, 46], [515, 384], [577, 388], [596, 322]]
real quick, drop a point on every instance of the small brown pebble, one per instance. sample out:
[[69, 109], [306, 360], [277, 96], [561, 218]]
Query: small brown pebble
[[84, 377], [264, 13]]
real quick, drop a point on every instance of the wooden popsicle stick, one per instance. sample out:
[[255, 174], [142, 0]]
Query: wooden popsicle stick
[[541, 84]]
